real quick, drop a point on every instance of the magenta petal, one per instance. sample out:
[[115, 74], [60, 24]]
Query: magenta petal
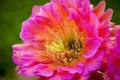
[[84, 77], [92, 47], [31, 31], [27, 72], [43, 70], [56, 77], [28, 59], [117, 48], [74, 69], [104, 30], [95, 62], [38, 10], [23, 53], [91, 30], [94, 22], [117, 75], [17, 53], [63, 76], [118, 39]]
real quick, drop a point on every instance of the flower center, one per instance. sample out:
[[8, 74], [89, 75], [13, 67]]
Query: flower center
[[68, 43], [65, 52]]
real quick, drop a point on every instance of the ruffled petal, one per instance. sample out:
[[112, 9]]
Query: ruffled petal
[[94, 63], [73, 69], [43, 70], [63, 75], [92, 46]]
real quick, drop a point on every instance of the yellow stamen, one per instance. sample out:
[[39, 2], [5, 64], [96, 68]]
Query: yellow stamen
[[68, 45], [56, 46]]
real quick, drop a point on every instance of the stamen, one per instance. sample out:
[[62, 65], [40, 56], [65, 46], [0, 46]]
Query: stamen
[[65, 53], [68, 44]]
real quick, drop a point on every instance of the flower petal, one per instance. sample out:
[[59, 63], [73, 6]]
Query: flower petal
[[104, 30], [93, 45], [99, 9], [43, 70], [107, 15], [73, 69], [94, 63]]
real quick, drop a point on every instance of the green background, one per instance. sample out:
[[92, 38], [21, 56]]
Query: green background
[[12, 14]]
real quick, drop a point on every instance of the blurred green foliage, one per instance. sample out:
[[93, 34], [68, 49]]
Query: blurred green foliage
[[12, 14]]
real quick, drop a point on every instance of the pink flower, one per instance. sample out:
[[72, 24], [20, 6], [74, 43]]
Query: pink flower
[[63, 40], [113, 63]]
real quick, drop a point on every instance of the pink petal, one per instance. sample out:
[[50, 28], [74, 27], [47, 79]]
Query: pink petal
[[27, 72], [99, 9], [90, 29], [93, 45], [73, 69], [92, 64], [94, 22], [104, 30], [17, 53], [43, 70], [95, 62], [107, 15], [60, 10], [24, 54], [32, 31], [63, 75]]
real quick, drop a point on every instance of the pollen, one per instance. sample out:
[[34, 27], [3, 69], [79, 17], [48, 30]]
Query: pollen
[[65, 52], [56, 46], [68, 44]]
